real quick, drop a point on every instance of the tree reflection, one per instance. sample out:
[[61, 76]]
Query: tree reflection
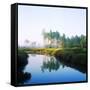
[[21, 63], [51, 64], [79, 67]]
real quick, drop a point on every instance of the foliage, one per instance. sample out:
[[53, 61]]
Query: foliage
[[56, 40]]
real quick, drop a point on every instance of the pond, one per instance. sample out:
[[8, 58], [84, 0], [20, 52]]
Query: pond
[[47, 69]]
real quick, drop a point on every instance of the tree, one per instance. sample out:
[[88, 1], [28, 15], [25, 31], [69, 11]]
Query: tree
[[46, 37], [63, 38], [83, 41], [56, 40]]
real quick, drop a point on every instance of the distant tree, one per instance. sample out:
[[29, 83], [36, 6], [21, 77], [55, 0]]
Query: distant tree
[[77, 41], [63, 38], [68, 41], [26, 41], [83, 41], [56, 40], [33, 44]]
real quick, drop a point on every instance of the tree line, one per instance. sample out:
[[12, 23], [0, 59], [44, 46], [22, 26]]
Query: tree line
[[63, 41]]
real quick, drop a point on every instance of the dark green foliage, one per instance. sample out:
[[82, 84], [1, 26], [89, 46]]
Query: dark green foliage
[[74, 41], [83, 41], [22, 58], [21, 63], [75, 56]]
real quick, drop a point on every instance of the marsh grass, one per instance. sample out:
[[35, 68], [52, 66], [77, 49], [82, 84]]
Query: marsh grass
[[70, 55]]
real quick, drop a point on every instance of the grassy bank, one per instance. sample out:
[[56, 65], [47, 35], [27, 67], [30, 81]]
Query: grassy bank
[[22, 58], [70, 55], [75, 56], [49, 51], [53, 51]]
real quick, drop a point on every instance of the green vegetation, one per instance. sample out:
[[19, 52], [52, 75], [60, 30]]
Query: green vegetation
[[67, 49], [49, 51], [55, 39], [21, 63], [74, 55], [22, 58], [53, 51]]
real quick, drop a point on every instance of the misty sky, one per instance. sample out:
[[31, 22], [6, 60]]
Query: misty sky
[[33, 19]]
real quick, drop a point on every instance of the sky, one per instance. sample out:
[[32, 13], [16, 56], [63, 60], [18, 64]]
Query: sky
[[32, 20]]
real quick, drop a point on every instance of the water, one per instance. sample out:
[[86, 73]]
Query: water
[[46, 69]]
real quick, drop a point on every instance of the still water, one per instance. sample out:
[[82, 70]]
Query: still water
[[46, 69]]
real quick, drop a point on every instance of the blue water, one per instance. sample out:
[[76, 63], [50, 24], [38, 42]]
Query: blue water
[[46, 69]]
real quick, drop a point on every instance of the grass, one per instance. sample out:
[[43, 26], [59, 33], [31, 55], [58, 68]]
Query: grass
[[53, 51], [49, 51], [75, 56], [72, 55]]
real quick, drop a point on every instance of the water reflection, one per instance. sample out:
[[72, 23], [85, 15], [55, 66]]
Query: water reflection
[[21, 63], [48, 69], [69, 63], [80, 68], [51, 63]]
